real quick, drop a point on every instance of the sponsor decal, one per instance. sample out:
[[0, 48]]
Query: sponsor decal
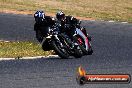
[[84, 78]]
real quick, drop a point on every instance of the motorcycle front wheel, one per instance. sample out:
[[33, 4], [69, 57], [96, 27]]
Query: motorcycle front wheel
[[82, 46], [77, 53], [59, 50]]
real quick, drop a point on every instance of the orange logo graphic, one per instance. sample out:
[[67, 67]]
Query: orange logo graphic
[[84, 78]]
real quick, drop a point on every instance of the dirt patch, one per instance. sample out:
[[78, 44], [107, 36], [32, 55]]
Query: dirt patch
[[31, 13], [17, 12]]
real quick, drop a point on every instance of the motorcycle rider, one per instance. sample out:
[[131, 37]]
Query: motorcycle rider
[[67, 24], [41, 23]]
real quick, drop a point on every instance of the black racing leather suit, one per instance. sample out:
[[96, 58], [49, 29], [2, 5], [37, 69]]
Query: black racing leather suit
[[41, 26], [71, 26]]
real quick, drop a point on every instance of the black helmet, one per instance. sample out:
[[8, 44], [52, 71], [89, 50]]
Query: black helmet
[[39, 16], [60, 15]]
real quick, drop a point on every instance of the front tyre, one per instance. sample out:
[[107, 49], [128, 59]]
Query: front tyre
[[58, 49], [87, 52], [83, 47], [90, 51], [77, 53]]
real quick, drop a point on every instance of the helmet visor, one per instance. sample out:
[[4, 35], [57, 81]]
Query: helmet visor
[[61, 17]]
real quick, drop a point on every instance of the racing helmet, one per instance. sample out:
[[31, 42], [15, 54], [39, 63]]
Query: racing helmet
[[39, 16], [60, 15]]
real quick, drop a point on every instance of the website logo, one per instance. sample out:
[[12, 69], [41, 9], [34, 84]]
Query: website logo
[[84, 78]]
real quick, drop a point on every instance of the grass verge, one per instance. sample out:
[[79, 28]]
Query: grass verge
[[21, 49], [118, 10]]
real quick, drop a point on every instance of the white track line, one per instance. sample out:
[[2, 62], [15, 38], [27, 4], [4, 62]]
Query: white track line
[[124, 22], [111, 21], [4, 41], [36, 57]]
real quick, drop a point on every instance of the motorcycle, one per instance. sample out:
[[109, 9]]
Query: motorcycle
[[80, 35], [72, 47], [60, 43]]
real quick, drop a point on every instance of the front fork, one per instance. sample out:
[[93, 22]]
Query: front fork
[[56, 37]]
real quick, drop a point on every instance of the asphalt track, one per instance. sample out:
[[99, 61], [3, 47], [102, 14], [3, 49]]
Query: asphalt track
[[112, 44]]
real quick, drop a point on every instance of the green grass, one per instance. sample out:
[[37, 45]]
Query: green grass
[[118, 10], [21, 49]]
